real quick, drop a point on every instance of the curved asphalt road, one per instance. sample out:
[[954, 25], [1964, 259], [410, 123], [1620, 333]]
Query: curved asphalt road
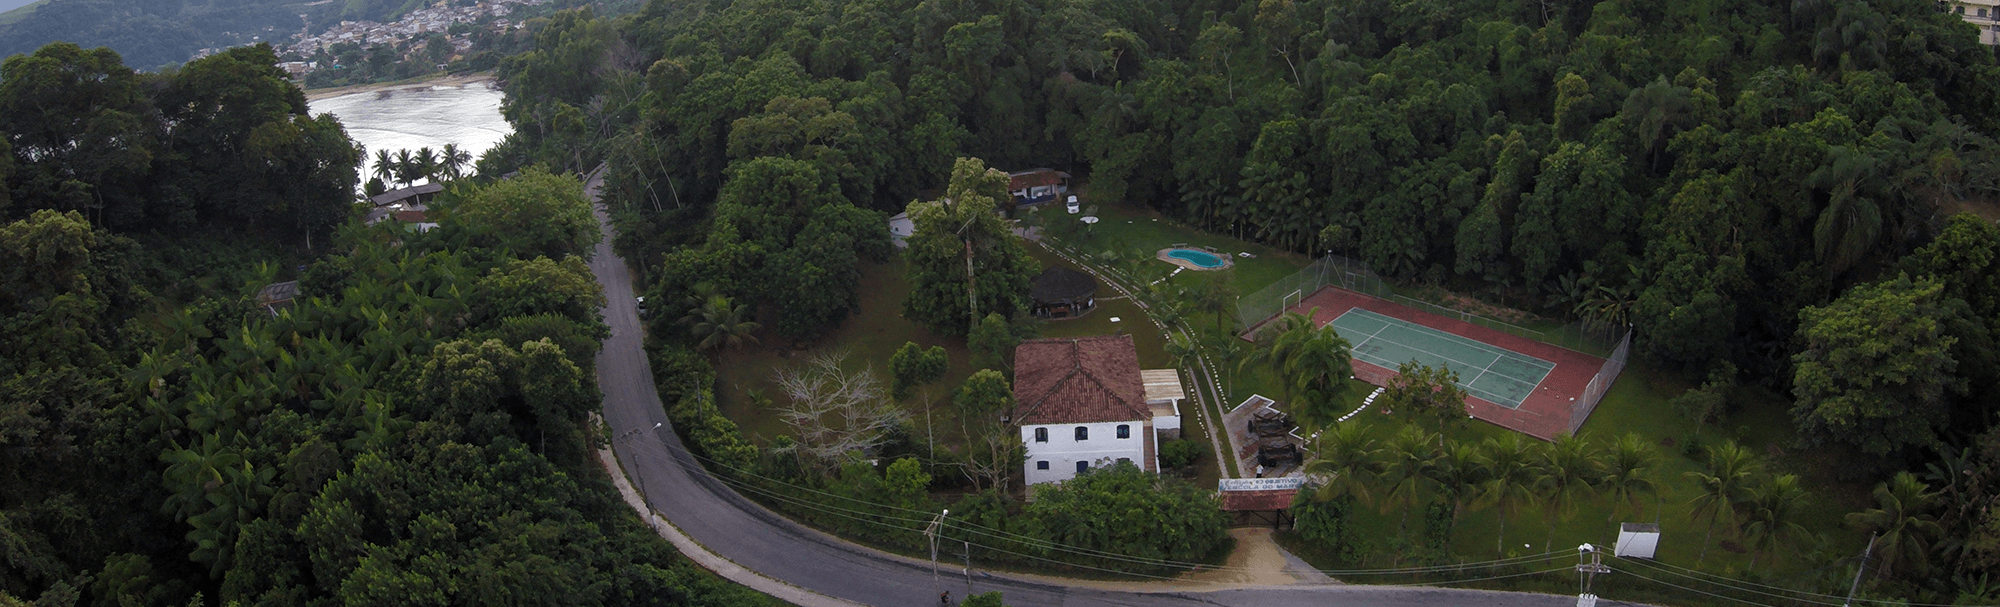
[[753, 537]]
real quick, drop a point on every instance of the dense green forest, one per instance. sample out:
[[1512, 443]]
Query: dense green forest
[[1771, 193], [413, 427]]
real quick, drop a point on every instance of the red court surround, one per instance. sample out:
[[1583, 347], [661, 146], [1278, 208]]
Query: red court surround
[[1544, 414]]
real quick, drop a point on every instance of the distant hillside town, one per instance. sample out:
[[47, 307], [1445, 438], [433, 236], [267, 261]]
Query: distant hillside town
[[457, 25]]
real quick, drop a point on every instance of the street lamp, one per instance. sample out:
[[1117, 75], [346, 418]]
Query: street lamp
[[931, 532], [627, 439]]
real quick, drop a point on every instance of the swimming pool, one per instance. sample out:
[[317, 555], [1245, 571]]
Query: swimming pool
[[1199, 258]]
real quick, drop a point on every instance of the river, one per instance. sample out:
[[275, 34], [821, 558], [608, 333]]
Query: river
[[426, 114]]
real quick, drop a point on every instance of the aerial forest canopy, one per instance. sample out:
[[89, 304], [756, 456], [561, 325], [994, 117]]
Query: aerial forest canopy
[[411, 423], [223, 141], [1701, 170], [1753, 186]]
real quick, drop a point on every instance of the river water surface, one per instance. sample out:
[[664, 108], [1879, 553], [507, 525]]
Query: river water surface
[[421, 115]]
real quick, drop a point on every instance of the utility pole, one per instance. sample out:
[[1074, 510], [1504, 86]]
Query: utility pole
[[931, 532], [1586, 573], [968, 568], [640, 470], [1857, 572]]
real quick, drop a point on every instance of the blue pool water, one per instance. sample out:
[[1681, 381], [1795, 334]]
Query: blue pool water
[[1199, 258]]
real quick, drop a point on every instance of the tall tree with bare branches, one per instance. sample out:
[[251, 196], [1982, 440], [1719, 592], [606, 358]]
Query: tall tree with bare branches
[[833, 410]]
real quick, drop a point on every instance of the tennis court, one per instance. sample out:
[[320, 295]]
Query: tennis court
[[1498, 375]]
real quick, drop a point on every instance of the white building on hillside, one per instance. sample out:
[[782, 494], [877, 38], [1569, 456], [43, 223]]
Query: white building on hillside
[[1080, 403], [1984, 14]]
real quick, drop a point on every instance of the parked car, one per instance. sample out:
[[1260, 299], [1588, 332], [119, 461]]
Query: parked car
[[1073, 207]]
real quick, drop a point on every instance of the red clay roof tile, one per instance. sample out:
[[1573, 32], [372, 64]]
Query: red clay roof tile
[[1078, 381]]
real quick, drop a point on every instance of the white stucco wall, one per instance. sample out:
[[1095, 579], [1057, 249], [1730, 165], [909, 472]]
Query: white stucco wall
[[1062, 451]]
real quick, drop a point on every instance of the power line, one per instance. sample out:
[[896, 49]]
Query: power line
[[1046, 544], [877, 517], [1694, 590], [1736, 588], [1177, 579], [1731, 584], [871, 517], [1034, 541], [1750, 583]]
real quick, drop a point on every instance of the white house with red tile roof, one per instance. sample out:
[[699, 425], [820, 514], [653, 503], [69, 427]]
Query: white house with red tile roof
[[1080, 404]]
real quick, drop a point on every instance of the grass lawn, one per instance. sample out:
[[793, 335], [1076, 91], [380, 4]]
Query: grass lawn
[[1130, 226], [1638, 404], [870, 337], [874, 333], [1146, 337]]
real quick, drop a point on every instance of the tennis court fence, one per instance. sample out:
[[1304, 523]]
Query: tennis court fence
[[1289, 291], [1612, 342], [1351, 274], [1600, 383]]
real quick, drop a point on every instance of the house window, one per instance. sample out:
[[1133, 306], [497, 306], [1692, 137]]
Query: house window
[[1082, 433], [1124, 431], [1041, 435], [1082, 467], [1042, 465]]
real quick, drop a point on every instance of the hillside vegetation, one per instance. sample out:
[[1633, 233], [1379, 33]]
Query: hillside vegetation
[[1756, 187], [413, 427]]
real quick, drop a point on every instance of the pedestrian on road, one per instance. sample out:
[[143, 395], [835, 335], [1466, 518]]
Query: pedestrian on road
[[944, 599]]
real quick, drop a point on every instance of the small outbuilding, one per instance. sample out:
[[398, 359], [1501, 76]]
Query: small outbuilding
[[901, 228], [1035, 186], [418, 194], [277, 296], [1637, 540], [1060, 292]]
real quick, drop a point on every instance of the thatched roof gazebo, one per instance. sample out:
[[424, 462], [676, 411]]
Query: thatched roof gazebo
[[1060, 292]]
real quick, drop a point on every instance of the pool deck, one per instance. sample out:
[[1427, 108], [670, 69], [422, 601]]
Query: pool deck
[[1223, 257]]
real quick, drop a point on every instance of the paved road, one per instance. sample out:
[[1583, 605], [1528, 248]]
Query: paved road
[[760, 541]]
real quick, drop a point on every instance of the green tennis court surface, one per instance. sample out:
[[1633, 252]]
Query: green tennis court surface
[[1490, 372]]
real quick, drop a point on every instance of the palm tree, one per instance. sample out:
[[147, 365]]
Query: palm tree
[[1316, 370], [1457, 473], [1724, 485], [1852, 221], [1349, 459], [456, 160], [1652, 110], [720, 323], [1406, 470], [1854, 39], [1185, 351], [1628, 473], [1568, 469], [1606, 305], [1510, 474], [427, 163], [1901, 520], [406, 167], [1215, 293], [1773, 512], [385, 167], [1312, 364]]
